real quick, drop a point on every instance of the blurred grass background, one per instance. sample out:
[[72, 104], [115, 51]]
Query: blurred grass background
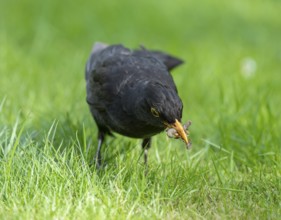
[[229, 84]]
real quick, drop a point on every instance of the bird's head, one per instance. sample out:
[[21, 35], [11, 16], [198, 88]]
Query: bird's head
[[164, 108]]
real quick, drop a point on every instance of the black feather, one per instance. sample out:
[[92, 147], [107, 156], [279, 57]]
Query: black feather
[[123, 86]]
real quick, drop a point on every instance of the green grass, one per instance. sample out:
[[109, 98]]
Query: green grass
[[48, 138]]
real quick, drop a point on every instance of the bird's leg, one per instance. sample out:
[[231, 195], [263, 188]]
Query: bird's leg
[[98, 153], [145, 146]]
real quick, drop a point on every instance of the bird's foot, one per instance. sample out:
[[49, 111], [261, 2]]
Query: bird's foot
[[96, 163]]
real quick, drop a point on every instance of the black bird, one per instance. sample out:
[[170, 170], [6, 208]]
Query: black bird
[[132, 93]]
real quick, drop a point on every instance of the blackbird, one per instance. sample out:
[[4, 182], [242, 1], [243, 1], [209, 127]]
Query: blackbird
[[132, 92]]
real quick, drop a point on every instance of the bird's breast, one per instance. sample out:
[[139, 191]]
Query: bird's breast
[[135, 129]]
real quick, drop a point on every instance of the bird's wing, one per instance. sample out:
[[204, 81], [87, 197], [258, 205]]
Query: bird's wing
[[102, 53], [104, 73]]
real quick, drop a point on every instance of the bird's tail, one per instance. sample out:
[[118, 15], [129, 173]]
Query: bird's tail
[[170, 61]]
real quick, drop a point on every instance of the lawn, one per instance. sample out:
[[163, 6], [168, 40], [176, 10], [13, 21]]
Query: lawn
[[229, 84]]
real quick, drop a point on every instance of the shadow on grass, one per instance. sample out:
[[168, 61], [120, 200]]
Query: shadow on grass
[[75, 137]]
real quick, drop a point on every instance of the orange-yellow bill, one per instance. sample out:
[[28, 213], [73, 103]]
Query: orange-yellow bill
[[179, 128], [179, 131]]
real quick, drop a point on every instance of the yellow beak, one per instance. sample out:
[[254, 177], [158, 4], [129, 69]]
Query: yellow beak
[[181, 132]]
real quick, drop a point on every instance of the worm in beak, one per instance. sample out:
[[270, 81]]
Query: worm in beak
[[177, 130]]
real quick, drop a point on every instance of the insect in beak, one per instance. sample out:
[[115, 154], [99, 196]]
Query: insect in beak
[[177, 130]]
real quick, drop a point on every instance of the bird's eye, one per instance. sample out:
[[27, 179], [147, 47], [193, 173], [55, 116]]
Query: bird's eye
[[154, 112]]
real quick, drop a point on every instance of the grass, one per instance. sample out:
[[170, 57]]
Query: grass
[[230, 87]]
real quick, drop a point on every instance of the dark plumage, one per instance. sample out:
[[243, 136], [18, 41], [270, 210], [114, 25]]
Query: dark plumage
[[132, 93]]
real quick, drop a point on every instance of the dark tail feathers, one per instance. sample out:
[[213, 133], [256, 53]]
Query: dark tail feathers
[[170, 61]]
